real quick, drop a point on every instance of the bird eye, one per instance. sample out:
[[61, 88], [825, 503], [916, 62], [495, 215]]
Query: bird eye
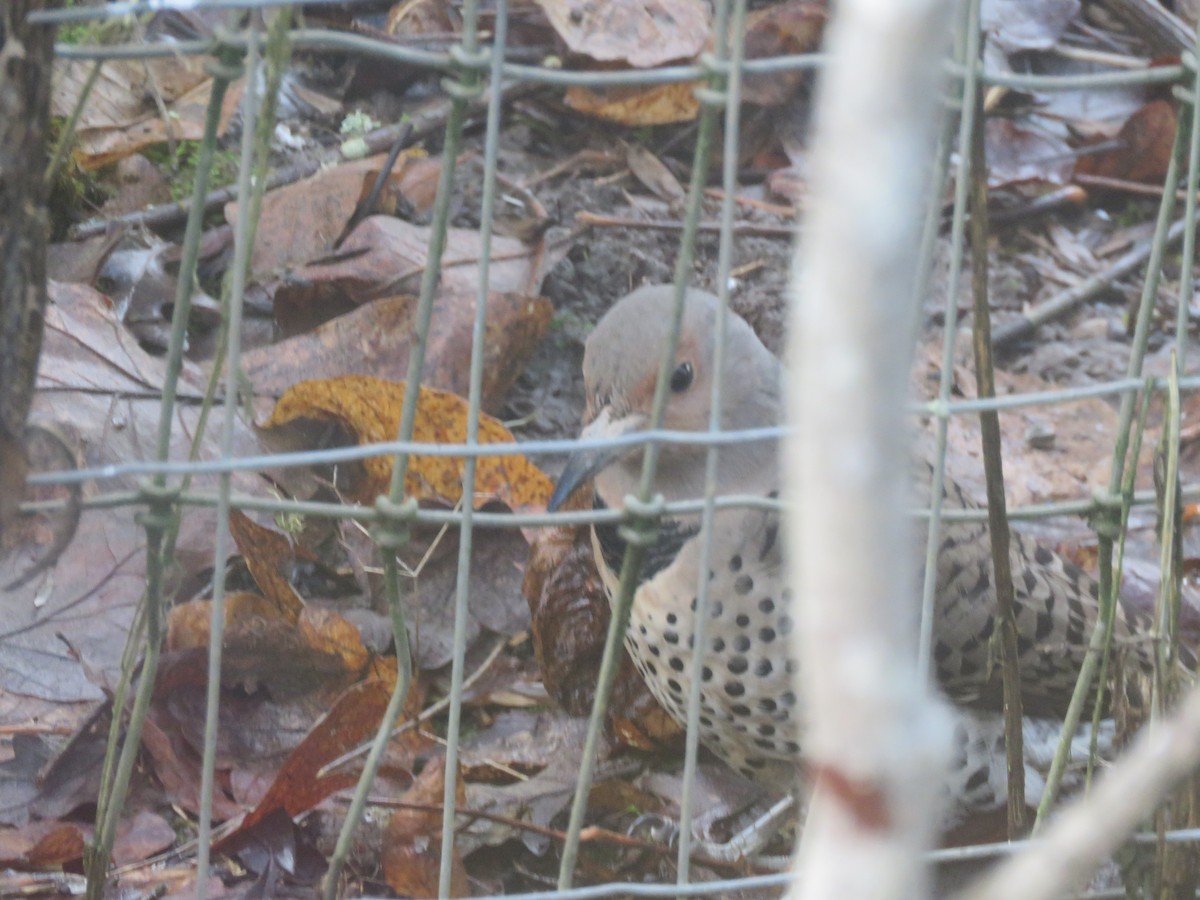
[[681, 378]]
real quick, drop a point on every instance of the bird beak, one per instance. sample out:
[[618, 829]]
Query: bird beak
[[584, 464]]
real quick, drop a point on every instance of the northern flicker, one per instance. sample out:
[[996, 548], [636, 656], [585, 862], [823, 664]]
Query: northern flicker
[[749, 713]]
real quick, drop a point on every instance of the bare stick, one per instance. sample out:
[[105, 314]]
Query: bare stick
[[876, 734], [1084, 833]]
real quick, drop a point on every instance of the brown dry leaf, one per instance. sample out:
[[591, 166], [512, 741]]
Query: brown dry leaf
[[790, 184], [81, 261], [177, 768], [417, 17], [67, 628], [1018, 154], [301, 221], [496, 558], [188, 624], [297, 788], [329, 634], [269, 554], [124, 89], [642, 33], [653, 174], [1144, 147], [377, 339], [663, 104], [1075, 463], [1018, 26], [419, 181], [370, 409], [34, 542], [258, 730], [122, 116], [549, 736], [412, 850], [385, 256], [289, 658], [570, 615], [791, 27], [41, 845]]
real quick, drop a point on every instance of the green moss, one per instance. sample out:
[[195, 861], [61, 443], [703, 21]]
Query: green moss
[[74, 193], [182, 166], [358, 123], [97, 32]]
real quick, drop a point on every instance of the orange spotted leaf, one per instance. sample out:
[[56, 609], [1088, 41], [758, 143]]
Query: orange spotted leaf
[[268, 554], [370, 409]]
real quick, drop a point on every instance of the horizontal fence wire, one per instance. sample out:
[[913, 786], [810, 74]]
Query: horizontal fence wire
[[315, 39], [562, 447], [480, 63]]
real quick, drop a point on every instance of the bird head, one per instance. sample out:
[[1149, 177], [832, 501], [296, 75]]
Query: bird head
[[620, 369]]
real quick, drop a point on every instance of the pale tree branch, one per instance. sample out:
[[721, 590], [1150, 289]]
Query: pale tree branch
[[876, 736], [1084, 833]]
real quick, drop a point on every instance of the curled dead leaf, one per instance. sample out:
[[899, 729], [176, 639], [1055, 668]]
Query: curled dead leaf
[[412, 850], [570, 616], [268, 554], [789, 28], [662, 104], [353, 720], [644, 33], [370, 409]]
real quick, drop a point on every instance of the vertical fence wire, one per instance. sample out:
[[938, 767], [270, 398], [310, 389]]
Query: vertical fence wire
[[474, 397], [243, 244], [641, 514], [968, 37], [733, 50], [397, 509]]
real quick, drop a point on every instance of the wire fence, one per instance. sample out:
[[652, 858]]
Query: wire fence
[[476, 78]]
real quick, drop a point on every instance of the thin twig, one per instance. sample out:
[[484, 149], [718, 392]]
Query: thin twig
[[747, 228], [993, 466], [424, 716], [1087, 831], [1087, 290]]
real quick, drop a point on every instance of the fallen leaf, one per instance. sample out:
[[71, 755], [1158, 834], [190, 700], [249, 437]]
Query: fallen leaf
[[20, 781], [538, 799], [570, 613], [412, 850], [297, 787], [301, 221], [663, 104], [177, 767], [1143, 150], [269, 554], [653, 174], [377, 339], [67, 628], [42, 845], [370, 409], [496, 556], [122, 116], [1018, 154], [413, 18], [1017, 25], [34, 542], [384, 256], [783, 29], [642, 33]]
